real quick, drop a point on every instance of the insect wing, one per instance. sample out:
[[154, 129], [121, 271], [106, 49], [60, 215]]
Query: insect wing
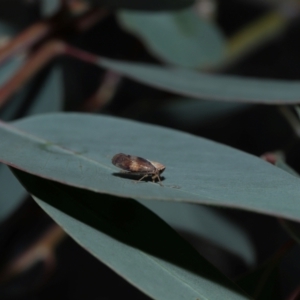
[[133, 164]]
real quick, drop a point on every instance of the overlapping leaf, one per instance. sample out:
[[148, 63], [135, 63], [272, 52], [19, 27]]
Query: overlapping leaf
[[76, 149], [180, 38], [132, 241], [207, 86], [143, 5], [48, 99]]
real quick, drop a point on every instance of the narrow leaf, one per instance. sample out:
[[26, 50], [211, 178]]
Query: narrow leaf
[[133, 241], [143, 5], [49, 98], [292, 228], [205, 223]]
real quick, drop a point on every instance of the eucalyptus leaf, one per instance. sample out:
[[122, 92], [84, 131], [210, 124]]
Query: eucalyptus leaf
[[297, 108], [49, 98], [76, 149], [133, 241], [9, 67], [180, 38], [207, 86], [205, 223], [292, 228]]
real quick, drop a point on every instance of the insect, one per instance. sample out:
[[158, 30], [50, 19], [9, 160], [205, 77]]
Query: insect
[[135, 165]]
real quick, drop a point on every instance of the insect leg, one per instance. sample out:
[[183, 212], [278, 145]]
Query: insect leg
[[143, 177], [158, 177]]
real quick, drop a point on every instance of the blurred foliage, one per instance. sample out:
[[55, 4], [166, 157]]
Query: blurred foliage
[[165, 63]]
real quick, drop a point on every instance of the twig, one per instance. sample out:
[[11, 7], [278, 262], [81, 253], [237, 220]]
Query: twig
[[43, 249], [36, 61]]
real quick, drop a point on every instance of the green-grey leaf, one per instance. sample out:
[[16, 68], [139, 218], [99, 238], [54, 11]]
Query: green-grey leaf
[[203, 222], [180, 38], [9, 67], [49, 7], [262, 283], [207, 86], [76, 149], [143, 5], [48, 99], [133, 241], [51, 95]]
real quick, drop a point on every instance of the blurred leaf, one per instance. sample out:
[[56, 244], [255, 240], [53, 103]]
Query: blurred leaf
[[49, 98], [292, 228], [49, 7], [181, 38], [9, 68], [190, 112], [76, 149], [206, 86], [18, 13], [203, 222], [11, 192], [283, 166], [144, 5], [133, 241], [183, 113], [12, 107]]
